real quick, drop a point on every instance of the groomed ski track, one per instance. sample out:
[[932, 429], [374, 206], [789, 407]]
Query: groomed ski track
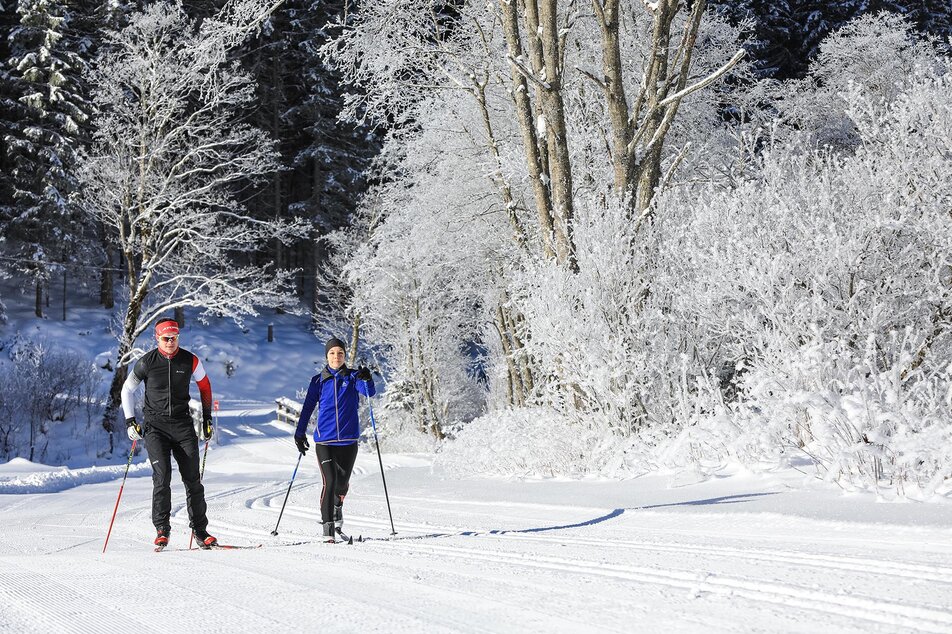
[[738, 555]]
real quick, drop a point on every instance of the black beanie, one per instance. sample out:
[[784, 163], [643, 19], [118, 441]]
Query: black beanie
[[334, 342]]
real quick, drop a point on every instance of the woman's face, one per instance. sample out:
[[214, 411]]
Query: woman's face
[[335, 357]]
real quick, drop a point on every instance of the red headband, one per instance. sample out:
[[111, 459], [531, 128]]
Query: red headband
[[166, 328]]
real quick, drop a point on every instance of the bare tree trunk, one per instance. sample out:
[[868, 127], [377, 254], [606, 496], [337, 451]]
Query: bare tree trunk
[[417, 409], [106, 283], [524, 113], [560, 168], [317, 190], [638, 130], [38, 295], [518, 232], [354, 341], [515, 389], [139, 289], [106, 292], [525, 371]]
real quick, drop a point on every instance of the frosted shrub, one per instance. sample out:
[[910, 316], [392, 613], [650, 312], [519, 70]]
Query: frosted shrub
[[43, 387], [596, 334], [852, 412], [828, 280], [539, 442], [398, 429], [878, 53], [419, 262]]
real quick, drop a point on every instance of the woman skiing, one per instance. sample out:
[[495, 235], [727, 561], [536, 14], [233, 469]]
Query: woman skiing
[[334, 393]]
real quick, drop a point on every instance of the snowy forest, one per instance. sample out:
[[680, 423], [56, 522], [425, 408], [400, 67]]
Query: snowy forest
[[575, 238]]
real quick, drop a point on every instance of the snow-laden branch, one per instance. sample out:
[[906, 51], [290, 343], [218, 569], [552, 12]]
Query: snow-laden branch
[[704, 83]]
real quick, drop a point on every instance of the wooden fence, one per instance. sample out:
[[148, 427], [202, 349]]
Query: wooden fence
[[288, 411]]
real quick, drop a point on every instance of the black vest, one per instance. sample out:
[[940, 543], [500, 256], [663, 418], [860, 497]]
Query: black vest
[[166, 384]]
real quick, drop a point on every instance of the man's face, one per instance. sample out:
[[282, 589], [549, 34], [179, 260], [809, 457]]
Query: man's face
[[335, 357], [168, 344]]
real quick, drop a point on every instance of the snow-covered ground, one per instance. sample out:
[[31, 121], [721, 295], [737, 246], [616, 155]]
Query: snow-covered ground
[[735, 554], [664, 553]]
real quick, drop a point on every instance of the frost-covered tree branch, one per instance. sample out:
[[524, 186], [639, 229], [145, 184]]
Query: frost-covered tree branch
[[170, 149]]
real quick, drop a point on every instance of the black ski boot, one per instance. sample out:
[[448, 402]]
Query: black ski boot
[[339, 516], [205, 541]]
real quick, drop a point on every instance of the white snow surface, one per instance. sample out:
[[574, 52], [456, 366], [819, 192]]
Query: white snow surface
[[782, 552], [739, 553]]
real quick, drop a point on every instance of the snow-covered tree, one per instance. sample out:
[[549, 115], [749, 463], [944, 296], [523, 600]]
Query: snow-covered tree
[[468, 107], [44, 140], [325, 159], [8, 105], [786, 36], [44, 386], [170, 150], [824, 281], [879, 52]]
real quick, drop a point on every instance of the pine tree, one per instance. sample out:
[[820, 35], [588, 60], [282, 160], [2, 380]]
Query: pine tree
[[787, 33], [334, 153], [9, 109], [300, 99], [43, 139], [929, 16]]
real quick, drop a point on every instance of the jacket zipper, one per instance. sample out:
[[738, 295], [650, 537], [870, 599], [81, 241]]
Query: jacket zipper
[[170, 387], [336, 409]]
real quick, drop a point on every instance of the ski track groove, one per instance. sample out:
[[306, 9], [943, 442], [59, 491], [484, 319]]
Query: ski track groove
[[893, 614], [855, 564], [832, 562], [921, 618], [407, 618]]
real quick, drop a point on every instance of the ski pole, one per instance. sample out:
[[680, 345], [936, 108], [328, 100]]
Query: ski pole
[[386, 496], [201, 475], [286, 495], [128, 462]]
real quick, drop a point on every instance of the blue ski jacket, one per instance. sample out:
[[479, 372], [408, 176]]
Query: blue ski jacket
[[334, 393]]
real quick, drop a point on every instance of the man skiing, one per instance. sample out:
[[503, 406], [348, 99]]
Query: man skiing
[[335, 394], [167, 372]]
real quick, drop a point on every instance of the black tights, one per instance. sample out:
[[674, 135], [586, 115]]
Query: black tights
[[337, 463]]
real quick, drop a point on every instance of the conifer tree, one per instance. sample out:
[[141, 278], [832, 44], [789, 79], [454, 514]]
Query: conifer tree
[[43, 139], [787, 33], [300, 99]]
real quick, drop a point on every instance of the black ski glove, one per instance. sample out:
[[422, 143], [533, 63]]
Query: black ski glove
[[132, 429], [301, 442], [363, 374], [207, 427]]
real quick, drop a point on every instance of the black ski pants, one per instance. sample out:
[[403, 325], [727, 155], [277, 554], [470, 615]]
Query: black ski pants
[[337, 463], [176, 440]]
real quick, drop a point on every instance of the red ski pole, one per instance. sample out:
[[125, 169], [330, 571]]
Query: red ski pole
[[128, 462]]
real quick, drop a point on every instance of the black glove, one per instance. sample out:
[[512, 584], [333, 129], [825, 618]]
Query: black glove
[[301, 442], [207, 427], [363, 374], [132, 429]]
